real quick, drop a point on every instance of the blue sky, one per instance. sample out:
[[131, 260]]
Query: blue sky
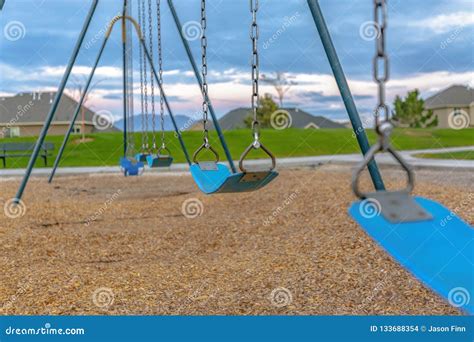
[[430, 43]]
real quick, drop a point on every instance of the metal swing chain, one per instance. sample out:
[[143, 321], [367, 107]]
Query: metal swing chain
[[160, 75], [142, 90], [130, 92], [152, 80], [205, 105], [254, 33], [145, 80], [384, 127]]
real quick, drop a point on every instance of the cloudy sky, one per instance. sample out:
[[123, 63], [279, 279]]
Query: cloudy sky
[[430, 44]]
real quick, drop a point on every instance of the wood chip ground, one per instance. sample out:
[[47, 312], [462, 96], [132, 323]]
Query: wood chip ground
[[108, 245]]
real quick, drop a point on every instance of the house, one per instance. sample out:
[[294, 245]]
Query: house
[[24, 115], [299, 119], [452, 101]]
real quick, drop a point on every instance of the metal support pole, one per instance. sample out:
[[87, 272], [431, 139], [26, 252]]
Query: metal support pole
[[344, 90], [199, 79], [76, 113], [176, 128], [56, 101]]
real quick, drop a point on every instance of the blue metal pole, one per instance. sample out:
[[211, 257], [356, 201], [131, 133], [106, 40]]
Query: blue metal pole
[[176, 128], [76, 113], [344, 90], [56, 101], [199, 79]]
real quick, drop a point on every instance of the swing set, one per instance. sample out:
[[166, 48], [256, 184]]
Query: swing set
[[407, 227]]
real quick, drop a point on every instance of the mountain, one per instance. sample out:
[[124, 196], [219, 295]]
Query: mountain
[[184, 123]]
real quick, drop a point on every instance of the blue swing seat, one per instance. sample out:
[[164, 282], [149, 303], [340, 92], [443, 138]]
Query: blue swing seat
[[131, 168], [438, 250], [213, 177], [158, 160], [141, 157]]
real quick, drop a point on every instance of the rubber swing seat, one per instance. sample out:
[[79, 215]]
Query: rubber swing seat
[[438, 250], [131, 168], [159, 160], [213, 177], [141, 157]]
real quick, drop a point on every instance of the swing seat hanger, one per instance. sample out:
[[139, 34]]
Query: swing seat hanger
[[396, 206], [256, 145]]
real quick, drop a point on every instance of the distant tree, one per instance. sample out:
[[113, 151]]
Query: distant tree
[[78, 90], [410, 111], [266, 108], [281, 82]]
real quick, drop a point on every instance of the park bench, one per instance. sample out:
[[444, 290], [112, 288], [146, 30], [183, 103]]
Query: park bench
[[17, 150]]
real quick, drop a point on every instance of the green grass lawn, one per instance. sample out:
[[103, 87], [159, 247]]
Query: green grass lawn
[[106, 148], [466, 155]]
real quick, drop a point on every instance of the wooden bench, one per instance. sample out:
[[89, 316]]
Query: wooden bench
[[17, 150]]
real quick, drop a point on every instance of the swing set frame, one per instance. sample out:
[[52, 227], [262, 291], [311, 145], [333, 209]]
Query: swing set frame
[[324, 35]]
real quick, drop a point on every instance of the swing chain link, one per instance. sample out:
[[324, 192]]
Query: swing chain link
[[381, 75], [205, 105], [160, 75], [142, 90], [254, 33], [152, 80], [145, 82]]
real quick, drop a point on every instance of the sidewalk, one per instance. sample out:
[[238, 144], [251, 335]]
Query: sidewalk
[[282, 163]]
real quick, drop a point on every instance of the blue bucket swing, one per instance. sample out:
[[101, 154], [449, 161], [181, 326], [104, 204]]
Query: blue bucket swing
[[131, 167], [425, 237]]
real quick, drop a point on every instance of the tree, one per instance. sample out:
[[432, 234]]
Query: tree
[[266, 108], [77, 93], [411, 112], [281, 83]]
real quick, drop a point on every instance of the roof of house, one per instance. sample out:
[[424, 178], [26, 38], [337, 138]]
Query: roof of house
[[32, 108], [455, 95], [299, 118]]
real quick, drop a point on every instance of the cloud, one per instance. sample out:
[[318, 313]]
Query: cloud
[[444, 23]]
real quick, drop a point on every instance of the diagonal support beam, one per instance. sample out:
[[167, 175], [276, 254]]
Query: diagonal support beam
[[56, 101]]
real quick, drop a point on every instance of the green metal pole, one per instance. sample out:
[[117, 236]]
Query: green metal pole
[[56, 101], [198, 77], [344, 90]]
